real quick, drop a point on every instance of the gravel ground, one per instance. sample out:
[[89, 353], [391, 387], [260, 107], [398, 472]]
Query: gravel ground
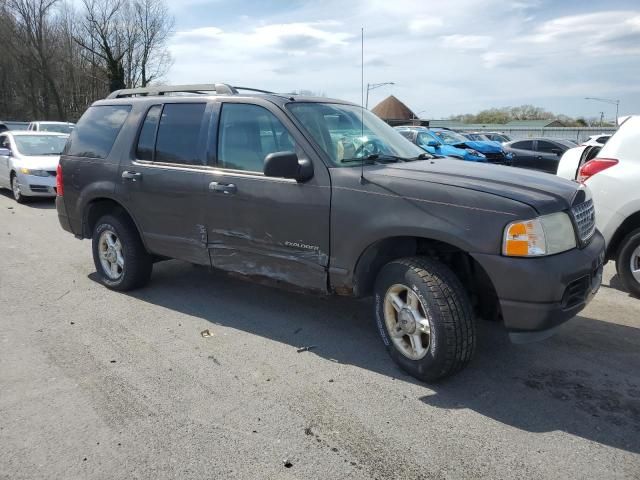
[[99, 384]]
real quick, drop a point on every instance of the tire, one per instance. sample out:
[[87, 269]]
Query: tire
[[628, 253], [441, 301], [15, 190], [133, 263]]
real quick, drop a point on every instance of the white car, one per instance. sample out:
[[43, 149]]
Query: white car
[[575, 157], [28, 162], [59, 127], [614, 180]]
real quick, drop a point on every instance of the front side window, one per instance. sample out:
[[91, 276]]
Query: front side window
[[4, 142], [546, 147], [96, 131], [178, 133], [36, 145], [247, 134], [348, 133]]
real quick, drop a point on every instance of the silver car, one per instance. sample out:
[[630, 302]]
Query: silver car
[[28, 162]]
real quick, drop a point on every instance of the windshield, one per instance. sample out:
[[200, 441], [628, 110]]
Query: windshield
[[347, 136], [56, 127], [31, 145], [449, 137]]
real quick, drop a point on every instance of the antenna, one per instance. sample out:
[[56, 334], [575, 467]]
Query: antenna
[[362, 102]]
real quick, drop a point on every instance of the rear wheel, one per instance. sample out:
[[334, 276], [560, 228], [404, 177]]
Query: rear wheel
[[15, 189], [628, 262], [424, 317], [119, 255]]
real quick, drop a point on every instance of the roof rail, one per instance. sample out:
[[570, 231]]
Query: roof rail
[[218, 88]]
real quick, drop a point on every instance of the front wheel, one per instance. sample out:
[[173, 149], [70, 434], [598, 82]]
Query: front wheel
[[15, 189], [424, 317], [120, 258], [628, 262]]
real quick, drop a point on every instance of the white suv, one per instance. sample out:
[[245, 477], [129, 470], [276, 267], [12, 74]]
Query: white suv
[[614, 180]]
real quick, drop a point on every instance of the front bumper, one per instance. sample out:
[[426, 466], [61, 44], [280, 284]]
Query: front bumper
[[538, 294], [36, 186]]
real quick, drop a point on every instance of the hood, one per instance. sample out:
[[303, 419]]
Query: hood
[[482, 147], [544, 192], [44, 162]]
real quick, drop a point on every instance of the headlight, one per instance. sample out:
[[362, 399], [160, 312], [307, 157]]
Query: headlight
[[540, 236], [37, 173], [474, 152]]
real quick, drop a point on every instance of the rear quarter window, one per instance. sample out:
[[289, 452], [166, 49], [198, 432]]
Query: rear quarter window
[[96, 131]]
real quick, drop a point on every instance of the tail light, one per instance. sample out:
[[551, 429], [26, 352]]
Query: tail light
[[594, 166], [59, 182]]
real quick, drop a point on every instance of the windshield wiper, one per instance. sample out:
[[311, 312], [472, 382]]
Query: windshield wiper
[[422, 156]]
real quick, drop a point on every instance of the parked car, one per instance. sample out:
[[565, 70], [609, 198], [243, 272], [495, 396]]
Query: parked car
[[60, 127], [447, 143], [614, 180], [28, 162], [487, 136], [597, 140], [11, 125], [538, 153], [324, 195]]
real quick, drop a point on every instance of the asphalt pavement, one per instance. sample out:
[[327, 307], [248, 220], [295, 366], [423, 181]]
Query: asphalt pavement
[[98, 384]]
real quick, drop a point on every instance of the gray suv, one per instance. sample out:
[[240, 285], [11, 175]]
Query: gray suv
[[323, 195]]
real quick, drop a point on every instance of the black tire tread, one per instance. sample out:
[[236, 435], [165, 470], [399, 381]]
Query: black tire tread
[[454, 308], [622, 261], [139, 263]]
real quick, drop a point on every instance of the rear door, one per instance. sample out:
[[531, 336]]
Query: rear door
[[257, 225], [163, 180]]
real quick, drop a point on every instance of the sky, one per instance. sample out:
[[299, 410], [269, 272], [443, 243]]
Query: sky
[[444, 57]]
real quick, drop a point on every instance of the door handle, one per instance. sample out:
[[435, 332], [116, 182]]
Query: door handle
[[226, 188], [133, 176], [539, 157]]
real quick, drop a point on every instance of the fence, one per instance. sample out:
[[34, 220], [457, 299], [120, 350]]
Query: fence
[[579, 134]]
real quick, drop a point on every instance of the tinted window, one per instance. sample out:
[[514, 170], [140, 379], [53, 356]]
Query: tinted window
[[147, 139], [249, 133], [178, 133], [547, 147], [523, 145], [97, 130]]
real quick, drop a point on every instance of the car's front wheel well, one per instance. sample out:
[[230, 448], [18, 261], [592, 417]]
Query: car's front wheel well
[[474, 278], [631, 223]]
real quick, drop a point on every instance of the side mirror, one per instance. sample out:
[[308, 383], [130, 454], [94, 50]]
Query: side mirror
[[287, 165], [5, 152], [433, 143]]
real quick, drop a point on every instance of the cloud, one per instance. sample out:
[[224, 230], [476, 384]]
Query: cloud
[[466, 42], [461, 57]]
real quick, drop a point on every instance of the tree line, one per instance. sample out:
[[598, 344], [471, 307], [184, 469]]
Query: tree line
[[523, 112], [57, 58]]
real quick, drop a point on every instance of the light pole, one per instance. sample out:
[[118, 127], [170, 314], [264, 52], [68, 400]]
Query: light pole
[[610, 101], [373, 86]]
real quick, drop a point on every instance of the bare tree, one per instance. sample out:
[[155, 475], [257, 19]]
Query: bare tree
[[155, 25]]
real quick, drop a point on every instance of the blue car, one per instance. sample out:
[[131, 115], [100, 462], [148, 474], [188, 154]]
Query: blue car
[[446, 143]]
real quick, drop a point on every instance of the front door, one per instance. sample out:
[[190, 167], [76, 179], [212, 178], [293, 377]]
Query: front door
[[257, 225], [163, 183]]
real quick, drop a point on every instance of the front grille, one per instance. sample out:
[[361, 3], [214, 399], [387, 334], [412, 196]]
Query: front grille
[[493, 156], [39, 188], [585, 217], [51, 172]]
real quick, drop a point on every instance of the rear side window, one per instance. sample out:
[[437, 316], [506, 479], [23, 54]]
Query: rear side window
[[523, 145], [178, 133], [547, 147], [96, 131], [147, 139]]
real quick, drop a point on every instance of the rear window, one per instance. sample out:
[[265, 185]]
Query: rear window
[[96, 131]]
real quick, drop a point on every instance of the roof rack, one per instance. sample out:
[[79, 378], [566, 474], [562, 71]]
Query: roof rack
[[200, 89]]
